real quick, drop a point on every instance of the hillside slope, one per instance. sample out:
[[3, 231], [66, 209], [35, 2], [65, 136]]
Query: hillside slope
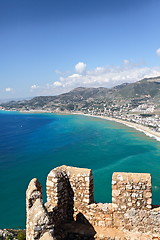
[[81, 98]]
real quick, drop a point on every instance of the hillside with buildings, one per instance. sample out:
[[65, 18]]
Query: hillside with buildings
[[137, 102]]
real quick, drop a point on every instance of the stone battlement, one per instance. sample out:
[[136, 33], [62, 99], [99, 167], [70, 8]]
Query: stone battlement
[[71, 213]]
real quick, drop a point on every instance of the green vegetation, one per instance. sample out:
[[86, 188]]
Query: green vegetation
[[21, 235], [12, 234]]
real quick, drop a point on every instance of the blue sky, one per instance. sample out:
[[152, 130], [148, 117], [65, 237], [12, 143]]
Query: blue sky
[[52, 46]]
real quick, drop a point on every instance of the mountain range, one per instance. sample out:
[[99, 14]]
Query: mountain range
[[79, 99]]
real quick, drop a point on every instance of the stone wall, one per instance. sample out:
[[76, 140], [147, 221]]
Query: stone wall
[[71, 213], [67, 189], [131, 190]]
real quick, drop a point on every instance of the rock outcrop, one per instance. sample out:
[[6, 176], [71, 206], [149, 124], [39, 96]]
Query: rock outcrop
[[38, 220]]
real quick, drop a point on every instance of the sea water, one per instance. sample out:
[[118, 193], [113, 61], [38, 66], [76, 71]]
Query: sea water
[[33, 144]]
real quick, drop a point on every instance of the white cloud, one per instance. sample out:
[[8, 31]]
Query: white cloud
[[101, 76], [75, 76], [109, 76], [34, 87], [8, 89], [80, 67], [158, 51], [57, 84]]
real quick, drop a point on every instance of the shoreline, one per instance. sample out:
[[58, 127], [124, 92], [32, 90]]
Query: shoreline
[[146, 130]]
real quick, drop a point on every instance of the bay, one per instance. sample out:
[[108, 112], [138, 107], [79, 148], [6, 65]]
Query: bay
[[33, 144]]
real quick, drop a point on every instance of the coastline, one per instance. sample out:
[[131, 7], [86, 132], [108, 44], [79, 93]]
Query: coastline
[[146, 130]]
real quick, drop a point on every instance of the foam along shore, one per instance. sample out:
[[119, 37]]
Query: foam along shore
[[146, 130]]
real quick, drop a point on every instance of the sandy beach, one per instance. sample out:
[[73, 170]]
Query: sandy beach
[[146, 130]]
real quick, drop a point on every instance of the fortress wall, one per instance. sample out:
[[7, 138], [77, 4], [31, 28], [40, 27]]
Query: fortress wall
[[131, 199], [96, 214], [131, 190], [70, 201], [67, 189], [81, 181], [57, 187]]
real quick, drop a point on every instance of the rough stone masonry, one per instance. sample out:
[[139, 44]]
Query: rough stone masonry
[[71, 213]]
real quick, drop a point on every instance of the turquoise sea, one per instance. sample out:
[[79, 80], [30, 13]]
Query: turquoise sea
[[33, 144]]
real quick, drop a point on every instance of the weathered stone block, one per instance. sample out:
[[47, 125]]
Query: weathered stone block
[[131, 186]]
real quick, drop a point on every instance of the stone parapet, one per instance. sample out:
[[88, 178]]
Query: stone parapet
[[96, 214], [131, 190], [71, 213]]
